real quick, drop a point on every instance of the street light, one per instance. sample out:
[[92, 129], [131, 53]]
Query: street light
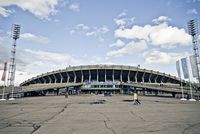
[[12, 67], [193, 31]]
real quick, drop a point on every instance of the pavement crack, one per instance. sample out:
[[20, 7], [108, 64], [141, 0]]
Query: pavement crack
[[107, 118], [7, 125], [106, 125], [190, 127], [37, 126], [62, 110], [134, 114]]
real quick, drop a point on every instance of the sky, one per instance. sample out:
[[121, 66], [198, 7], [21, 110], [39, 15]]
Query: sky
[[56, 34]]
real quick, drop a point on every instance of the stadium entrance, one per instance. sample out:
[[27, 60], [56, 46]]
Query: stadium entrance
[[101, 87]]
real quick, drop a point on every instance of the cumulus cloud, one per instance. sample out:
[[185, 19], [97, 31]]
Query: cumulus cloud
[[40, 8], [161, 19], [91, 33], [4, 12], [118, 43], [158, 57], [82, 27], [97, 32], [192, 11], [34, 38], [160, 35], [103, 29], [74, 7], [57, 59], [122, 14], [170, 37], [4, 53], [130, 48], [122, 20]]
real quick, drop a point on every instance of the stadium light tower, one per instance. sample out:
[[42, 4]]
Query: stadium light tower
[[12, 67], [193, 31]]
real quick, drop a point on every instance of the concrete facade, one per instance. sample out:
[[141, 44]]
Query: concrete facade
[[102, 73]]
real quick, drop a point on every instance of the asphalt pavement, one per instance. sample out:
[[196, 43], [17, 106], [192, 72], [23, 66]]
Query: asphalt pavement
[[96, 114]]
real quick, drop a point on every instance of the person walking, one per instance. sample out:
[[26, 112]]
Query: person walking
[[135, 99], [66, 94]]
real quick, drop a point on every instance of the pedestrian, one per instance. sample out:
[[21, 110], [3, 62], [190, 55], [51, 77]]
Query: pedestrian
[[66, 94], [135, 99]]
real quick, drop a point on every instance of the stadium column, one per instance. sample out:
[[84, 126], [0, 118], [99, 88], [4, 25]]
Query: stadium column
[[81, 76], [167, 79], [174, 81], [161, 81], [105, 76], [49, 79], [44, 80], [74, 76], [156, 79], [150, 77], [68, 77], [136, 75], [55, 78], [143, 76], [121, 75], [61, 81], [113, 75], [97, 75], [129, 76], [39, 80], [89, 75], [144, 91]]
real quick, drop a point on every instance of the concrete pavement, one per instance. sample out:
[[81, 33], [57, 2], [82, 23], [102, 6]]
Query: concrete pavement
[[96, 114]]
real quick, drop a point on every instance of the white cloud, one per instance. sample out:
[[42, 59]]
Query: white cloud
[[56, 58], [103, 29], [159, 35], [161, 19], [82, 27], [158, 57], [130, 48], [118, 43], [122, 20], [170, 37], [192, 11], [4, 12], [20, 76], [40, 8], [122, 14], [97, 32], [90, 34], [74, 7], [34, 38]]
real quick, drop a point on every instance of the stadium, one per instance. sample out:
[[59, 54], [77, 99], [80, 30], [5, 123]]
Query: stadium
[[101, 79]]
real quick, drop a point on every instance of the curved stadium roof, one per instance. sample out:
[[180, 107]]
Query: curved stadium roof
[[102, 73]]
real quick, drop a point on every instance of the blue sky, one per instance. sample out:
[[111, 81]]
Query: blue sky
[[59, 33]]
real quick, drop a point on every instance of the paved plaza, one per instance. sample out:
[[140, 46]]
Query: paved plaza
[[96, 114]]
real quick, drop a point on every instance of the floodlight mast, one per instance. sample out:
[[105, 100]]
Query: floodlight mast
[[193, 31], [12, 67]]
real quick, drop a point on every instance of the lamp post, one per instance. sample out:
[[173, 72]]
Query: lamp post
[[12, 67], [193, 31]]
